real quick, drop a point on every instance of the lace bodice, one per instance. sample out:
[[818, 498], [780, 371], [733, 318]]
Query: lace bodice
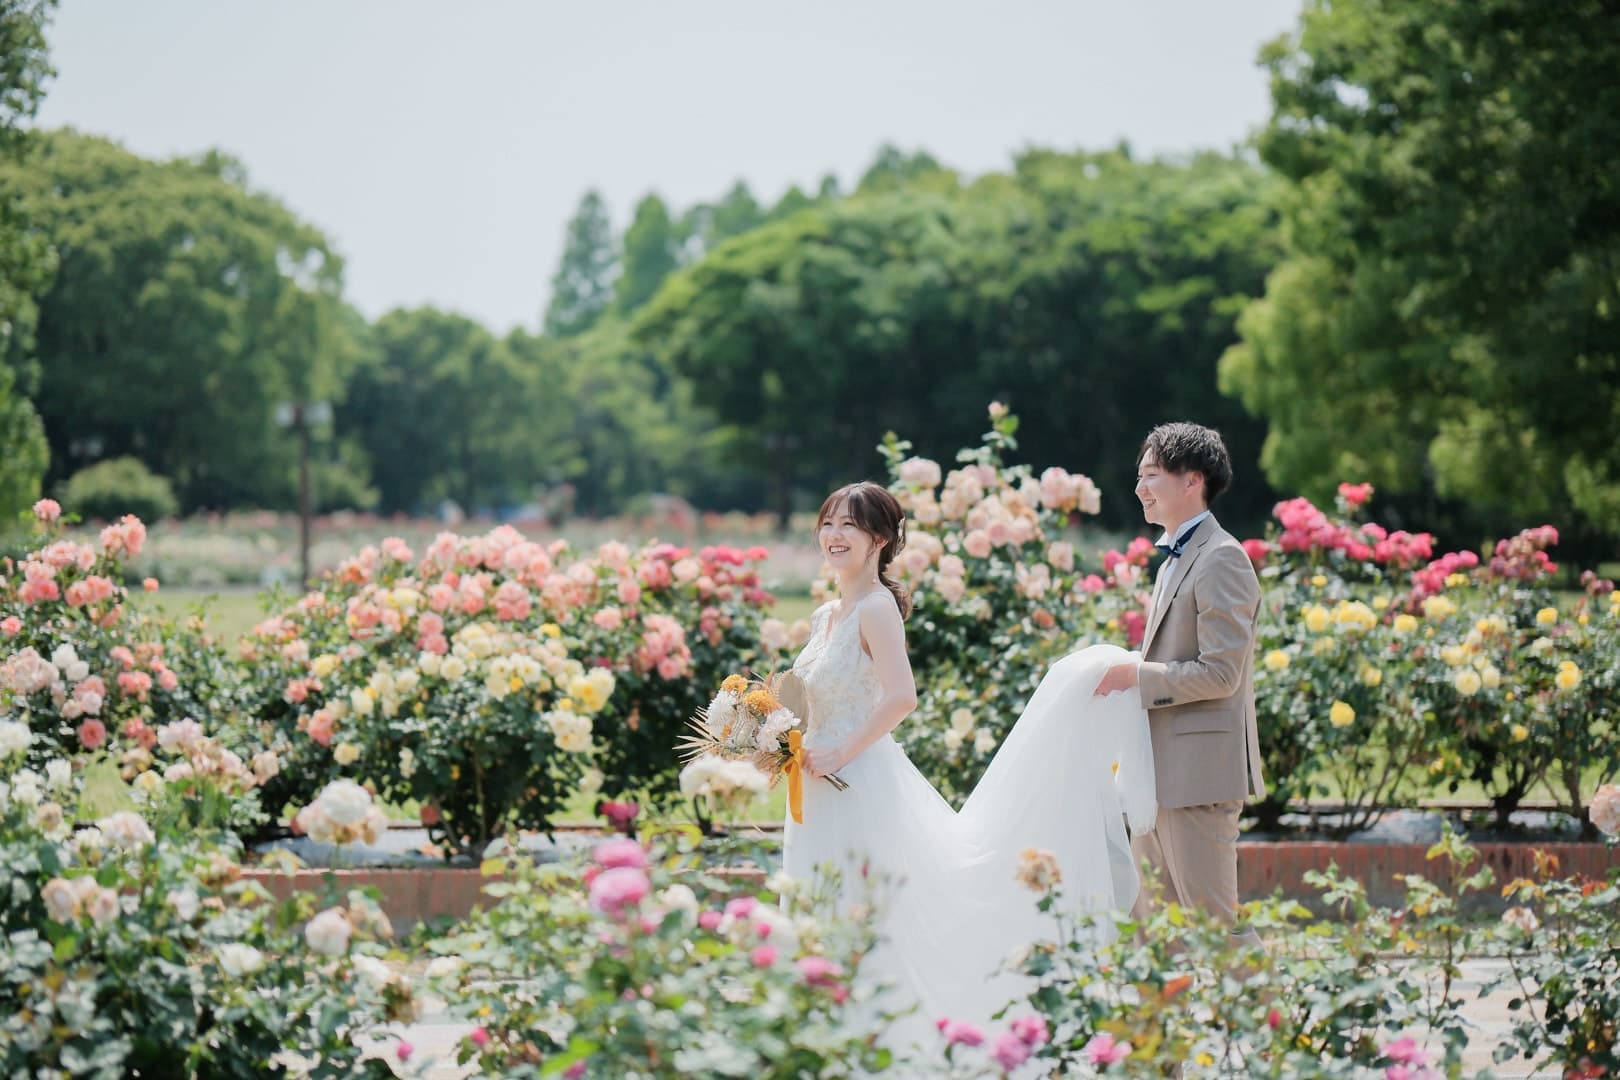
[[840, 680]]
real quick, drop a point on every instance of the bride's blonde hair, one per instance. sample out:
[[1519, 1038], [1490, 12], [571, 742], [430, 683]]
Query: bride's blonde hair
[[879, 515]]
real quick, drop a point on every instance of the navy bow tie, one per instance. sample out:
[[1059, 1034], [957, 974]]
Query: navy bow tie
[[1174, 550]]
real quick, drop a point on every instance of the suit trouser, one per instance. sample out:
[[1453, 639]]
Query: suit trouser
[[1193, 849]]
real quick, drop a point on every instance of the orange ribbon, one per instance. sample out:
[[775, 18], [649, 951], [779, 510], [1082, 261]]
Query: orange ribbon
[[795, 775]]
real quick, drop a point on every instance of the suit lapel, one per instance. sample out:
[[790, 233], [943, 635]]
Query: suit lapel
[[1178, 573]]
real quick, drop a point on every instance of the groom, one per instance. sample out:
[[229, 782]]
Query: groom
[[1196, 676]]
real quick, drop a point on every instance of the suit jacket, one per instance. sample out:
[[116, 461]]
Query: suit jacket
[[1197, 674]]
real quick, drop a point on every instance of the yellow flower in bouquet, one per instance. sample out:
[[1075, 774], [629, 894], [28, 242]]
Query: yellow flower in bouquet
[[747, 721]]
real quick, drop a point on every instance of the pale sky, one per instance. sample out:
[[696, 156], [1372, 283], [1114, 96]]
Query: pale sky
[[442, 147]]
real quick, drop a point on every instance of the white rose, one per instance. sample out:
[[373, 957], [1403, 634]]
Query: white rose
[[453, 668], [361, 702], [265, 766], [61, 900], [345, 753], [429, 663], [185, 904], [984, 742], [88, 842], [962, 721], [679, 897], [238, 959], [126, 830], [102, 906], [373, 971], [25, 789], [14, 737], [407, 763], [953, 740], [328, 933], [444, 967], [58, 773], [345, 802]]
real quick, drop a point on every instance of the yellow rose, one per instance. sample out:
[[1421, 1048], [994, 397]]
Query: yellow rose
[[1455, 580], [1319, 580], [1582, 619], [1519, 732], [1467, 682], [346, 753], [1355, 615], [1438, 607], [323, 665], [1454, 655], [1490, 676], [1341, 715], [1547, 616], [1317, 619], [1405, 624], [1371, 676], [1277, 660], [1569, 676], [1380, 603], [551, 630]]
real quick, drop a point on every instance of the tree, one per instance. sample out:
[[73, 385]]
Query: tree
[[708, 225], [183, 309], [1447, 320], [652, 250], [442, 410], [1092, 293], [582, 288], [893, 169], [25, 258]]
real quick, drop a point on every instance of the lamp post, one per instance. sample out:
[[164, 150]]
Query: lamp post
[[299, 415]]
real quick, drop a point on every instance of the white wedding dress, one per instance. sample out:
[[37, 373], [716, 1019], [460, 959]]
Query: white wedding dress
[[956, 911]]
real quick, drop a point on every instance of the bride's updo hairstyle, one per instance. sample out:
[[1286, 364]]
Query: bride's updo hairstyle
[[880, 516]]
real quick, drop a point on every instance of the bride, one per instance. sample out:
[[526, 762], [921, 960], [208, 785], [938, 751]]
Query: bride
[[957, 911]]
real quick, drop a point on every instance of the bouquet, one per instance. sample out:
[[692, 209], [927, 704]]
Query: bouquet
[[760, 722]]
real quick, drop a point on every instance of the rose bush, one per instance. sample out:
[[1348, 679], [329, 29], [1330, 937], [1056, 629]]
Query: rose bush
[[130, 944], [640, 965], [493, 679]]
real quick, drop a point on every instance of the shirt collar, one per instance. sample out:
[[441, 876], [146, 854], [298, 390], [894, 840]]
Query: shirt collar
[[1164, 542]]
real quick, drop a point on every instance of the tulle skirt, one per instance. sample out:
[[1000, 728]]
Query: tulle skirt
[[1064, 781]]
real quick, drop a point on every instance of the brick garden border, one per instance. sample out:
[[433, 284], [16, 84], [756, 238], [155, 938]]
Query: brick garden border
[[413, 895]]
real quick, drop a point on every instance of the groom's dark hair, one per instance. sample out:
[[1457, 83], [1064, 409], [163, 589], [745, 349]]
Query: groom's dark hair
[[1182, 447]]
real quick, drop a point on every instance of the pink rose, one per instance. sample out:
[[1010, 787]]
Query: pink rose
[[11, 627], [608, 618], [479, 1037], [1605, 810], [1031, 1029], [951, 589], [92, 733], [819, 971], [741, 907], [1009, 1051], [1355, 494], [150, 584], [430, 815], [629, 593], [613, 853], [710, 920], [575, 1071], [47, 510], [1061, 556], [977, 544], [320, 727], [619, 888], [670, 667], [1104, 1050], [1093, 584], [763, 956], [919, 472], [962, 1032]]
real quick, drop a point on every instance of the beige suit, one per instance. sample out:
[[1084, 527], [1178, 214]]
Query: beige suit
[[1197, 683]]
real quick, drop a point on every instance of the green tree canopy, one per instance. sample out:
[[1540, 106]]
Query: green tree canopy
[[25, 258], [183, 309], [582, 288], [652, 251], [1448, 315]]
